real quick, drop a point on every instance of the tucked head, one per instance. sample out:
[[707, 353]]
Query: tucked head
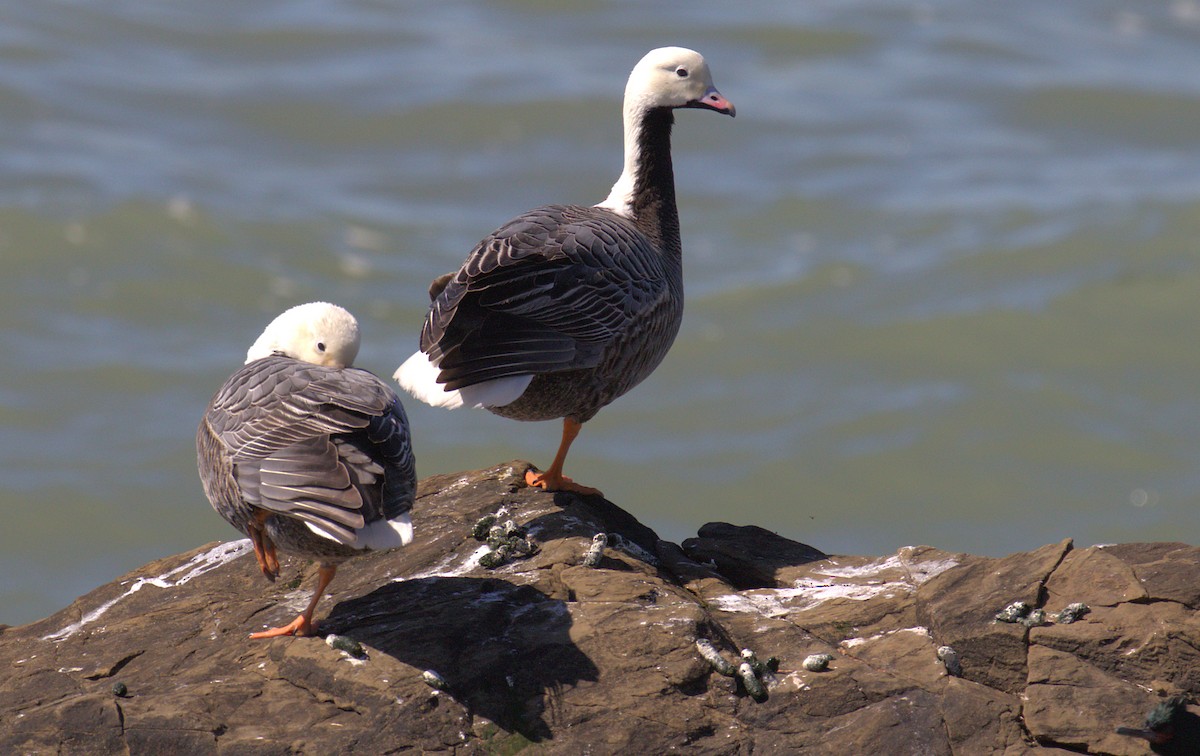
[[674, 77], [317, 332]]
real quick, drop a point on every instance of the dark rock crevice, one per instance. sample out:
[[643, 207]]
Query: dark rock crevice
[[115, 667], [1043, 594]]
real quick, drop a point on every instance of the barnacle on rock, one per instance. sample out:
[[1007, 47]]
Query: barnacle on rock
[[751, 658], [753, 685], [949, 657], [348, 645], [596, 551], [507, 540], [521, 546], [1036, 618], [618, 541], [1014, 612], [713, 657], [1018, 612], [495, 558], [482, 526], [817, 662], [1072, 613], [496, 536]]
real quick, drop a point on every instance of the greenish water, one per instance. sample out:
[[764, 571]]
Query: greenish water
[[943, 273]]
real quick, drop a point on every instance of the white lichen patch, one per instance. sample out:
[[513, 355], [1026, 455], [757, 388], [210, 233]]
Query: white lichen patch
[[193, 568], [456, 485], [571, 524], [296, 601], [850, 643], [551, 610], [672, 620], [890, 577], [914, 573], [488, 599], [807, 593], [447, 568], [793, 681]]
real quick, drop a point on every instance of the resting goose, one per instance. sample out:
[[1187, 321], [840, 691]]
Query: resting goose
[[302, 452], [566, 307]]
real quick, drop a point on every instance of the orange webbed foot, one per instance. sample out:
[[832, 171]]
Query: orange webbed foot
[[550, 482], [301, 626]]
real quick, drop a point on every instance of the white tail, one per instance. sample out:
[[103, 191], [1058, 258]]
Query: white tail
[[418, 376], [381, 534]]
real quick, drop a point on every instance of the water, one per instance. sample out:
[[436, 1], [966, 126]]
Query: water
[[942, 269]]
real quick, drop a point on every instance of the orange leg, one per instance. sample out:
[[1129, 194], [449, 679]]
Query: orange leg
[[269, 554], [264, 548], [553, 479], [303, 624]]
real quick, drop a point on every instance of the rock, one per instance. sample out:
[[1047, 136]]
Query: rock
[[436, 652], [747, 556], [1167, 571], [1109, 580]]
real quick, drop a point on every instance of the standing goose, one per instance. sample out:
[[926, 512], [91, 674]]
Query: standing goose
[[564, 308], [300, 451]]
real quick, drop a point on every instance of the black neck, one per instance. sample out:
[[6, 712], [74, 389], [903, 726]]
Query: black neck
[[654, 208]]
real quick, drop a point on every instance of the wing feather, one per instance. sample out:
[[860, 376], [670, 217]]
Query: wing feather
[[545, 292], [328, 446]]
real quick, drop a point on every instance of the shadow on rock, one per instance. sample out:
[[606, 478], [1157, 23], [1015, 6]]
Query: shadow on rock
[[1184, 738], [503, 650], [1170, 729], [610, 518], [746, 555]]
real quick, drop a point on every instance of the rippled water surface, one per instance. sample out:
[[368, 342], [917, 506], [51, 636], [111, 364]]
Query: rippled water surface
[[943, 269]]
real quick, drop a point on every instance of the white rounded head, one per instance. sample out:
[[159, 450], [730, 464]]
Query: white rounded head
[[674, 77], [317, 332]]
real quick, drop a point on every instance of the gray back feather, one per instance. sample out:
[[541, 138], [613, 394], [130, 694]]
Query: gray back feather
[[325, 445], [549, 291]]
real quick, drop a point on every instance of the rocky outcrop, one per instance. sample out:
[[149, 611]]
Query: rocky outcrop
[[542, 650]]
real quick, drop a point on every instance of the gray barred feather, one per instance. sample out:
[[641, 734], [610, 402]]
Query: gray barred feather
[[327, 446], [580, 291]]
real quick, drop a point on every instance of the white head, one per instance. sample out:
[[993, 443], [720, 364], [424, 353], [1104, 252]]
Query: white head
[[669, 77], [317, 332], [673, 77]]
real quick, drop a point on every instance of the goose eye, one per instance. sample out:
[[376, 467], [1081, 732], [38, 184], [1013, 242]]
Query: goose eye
[[320, 346], [681, 72]]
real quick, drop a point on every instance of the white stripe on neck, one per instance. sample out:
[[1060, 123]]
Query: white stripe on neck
[[620, 198]]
